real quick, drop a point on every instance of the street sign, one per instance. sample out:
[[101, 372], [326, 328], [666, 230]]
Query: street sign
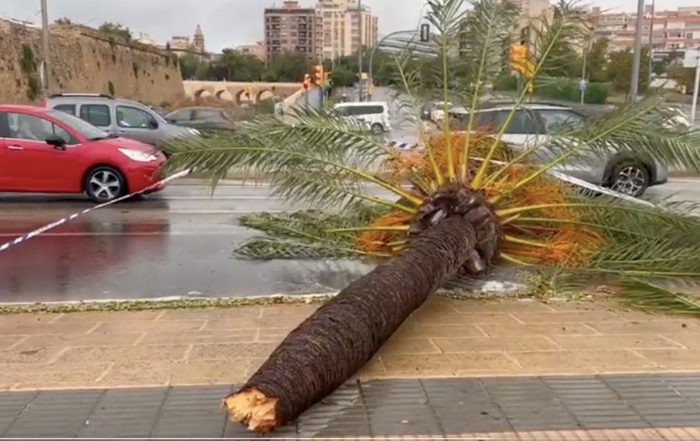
[[424, 33], [691, 58], [582, 85]]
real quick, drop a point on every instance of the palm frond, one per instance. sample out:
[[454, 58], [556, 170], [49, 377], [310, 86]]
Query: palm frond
[[287, 249], [307, 161], [649, 296]]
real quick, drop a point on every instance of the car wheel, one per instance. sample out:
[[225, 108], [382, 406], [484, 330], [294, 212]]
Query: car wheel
[[104, 184], [631, 178], [377, 129]]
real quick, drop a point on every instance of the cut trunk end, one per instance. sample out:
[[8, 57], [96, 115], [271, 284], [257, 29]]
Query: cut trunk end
[[253, 409]]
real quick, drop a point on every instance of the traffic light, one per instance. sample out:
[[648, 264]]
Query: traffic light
[[518, 58], [318, 75], [520, 63]]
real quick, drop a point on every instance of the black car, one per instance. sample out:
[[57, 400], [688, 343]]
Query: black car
[[201, 118]]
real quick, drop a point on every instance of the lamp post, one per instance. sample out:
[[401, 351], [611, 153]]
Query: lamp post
[[47, 47], [651, 42], [634, 84], [359, 48]]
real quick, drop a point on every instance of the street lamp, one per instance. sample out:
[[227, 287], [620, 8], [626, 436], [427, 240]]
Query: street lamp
[[634, 84], [411, 33], [651, 41], [45, 37]]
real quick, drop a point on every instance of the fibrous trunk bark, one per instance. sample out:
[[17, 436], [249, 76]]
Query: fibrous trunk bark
[[341, 336]]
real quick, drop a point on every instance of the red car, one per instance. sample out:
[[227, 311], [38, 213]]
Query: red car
[[49, 151]]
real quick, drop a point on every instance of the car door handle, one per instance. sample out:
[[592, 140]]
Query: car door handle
[[15, 147]]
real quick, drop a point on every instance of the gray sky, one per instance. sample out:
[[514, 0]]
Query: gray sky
[[225, 22]]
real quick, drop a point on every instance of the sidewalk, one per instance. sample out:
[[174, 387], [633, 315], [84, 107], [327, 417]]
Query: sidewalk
[[518, 357]]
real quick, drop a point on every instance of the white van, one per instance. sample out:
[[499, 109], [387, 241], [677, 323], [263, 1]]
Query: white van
[[374, 113]]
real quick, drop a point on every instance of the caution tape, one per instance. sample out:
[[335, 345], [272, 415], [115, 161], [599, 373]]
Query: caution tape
[[52, 225]]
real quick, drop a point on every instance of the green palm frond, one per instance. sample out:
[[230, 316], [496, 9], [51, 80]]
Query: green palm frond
[[649, 296], [287, 249], [306, 161]]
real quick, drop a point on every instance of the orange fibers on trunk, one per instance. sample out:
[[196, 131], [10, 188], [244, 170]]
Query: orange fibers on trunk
[[380, 241], [565, 241]]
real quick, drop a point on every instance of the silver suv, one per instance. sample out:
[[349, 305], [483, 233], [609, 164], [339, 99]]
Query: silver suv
[[118, 117], [533, 123]]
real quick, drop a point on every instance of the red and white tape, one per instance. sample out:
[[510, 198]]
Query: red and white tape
[[52, 225]]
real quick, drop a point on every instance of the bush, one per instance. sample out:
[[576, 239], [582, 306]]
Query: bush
[[568, 90], [506, 82], [562, 89]]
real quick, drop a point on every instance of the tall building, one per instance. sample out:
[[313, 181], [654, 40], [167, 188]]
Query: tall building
[[672, 30], [341, 23], [292, 29]]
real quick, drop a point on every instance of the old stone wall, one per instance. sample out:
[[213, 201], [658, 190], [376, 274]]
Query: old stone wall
[[83, 60]]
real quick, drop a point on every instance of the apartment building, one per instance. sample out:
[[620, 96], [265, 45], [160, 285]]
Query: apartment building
[[345, 25], [672, 30], [292, 28]]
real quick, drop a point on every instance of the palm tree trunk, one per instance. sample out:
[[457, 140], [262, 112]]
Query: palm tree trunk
[[341, 336]]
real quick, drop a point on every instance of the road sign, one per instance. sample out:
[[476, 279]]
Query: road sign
[[424, 33], [691, 58], [582, 85]]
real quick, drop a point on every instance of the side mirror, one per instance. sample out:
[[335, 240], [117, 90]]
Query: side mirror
[[152, 123], [56, 141]]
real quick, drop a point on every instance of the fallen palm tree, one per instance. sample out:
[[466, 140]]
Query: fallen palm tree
[[472, 203]]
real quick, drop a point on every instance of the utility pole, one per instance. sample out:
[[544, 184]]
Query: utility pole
[[359, 47], [47, 49], [634, 86], [651, 42]]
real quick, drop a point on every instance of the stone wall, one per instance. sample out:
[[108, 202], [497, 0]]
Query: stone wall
[[83, 60]]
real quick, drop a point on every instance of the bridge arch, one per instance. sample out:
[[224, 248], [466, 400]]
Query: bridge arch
[[203, 92], [224, 94], [264, 94]]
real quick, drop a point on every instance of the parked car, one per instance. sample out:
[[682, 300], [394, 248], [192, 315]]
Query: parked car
[[201, 118], [533, 123], [128, 119], [374, 113], [435, 111], [49, 151]]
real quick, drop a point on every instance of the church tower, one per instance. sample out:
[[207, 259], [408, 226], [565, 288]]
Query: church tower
[[198, 40]]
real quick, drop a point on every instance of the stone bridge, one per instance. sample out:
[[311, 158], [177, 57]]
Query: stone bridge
[[240, 92]]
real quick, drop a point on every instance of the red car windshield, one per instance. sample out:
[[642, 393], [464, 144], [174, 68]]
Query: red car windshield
[[89, 131]]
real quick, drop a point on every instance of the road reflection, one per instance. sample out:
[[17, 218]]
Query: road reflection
[[78, 253]]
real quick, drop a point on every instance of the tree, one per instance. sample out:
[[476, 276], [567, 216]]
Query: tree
[[620, 69], [472, 204], [189, 65], [116, 30], [287, 68], [597, 61], [234, 66]]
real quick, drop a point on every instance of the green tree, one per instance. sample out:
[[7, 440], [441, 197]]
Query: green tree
[[235, 66], [620, 70], [189, 64], [116, 30], [597, 61], [287, 68], [471, 205]]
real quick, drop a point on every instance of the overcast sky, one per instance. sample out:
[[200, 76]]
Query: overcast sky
[[225, 23]]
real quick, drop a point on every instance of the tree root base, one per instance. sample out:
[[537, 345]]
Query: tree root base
[[253, 409]]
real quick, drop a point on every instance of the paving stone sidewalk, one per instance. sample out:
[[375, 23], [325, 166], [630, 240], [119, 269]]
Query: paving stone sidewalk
[[510, 369]]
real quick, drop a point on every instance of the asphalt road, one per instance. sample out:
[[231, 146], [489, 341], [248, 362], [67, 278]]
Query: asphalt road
[[176, 243]]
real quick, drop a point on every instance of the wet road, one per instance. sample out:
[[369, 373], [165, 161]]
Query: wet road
[[176, 243]]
